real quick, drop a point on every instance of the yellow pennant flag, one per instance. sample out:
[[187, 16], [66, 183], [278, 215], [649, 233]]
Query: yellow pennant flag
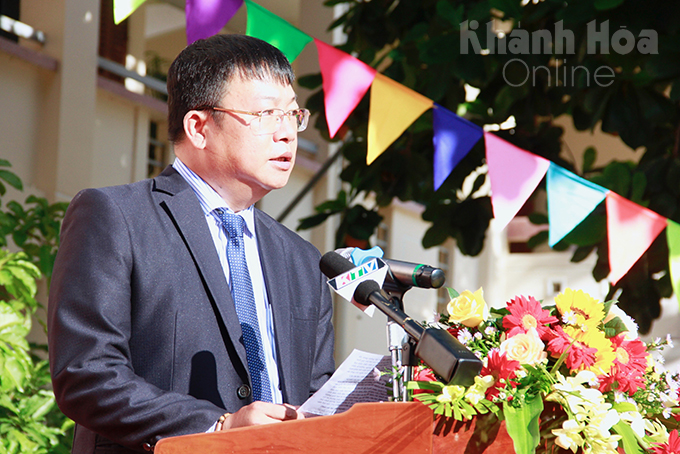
[[123, 8], [393, 108]]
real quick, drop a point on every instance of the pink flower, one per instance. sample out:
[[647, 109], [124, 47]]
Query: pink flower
[[629, 366], [500, 367], [672, 447], [579, 356], [423, 374], [527, 313]]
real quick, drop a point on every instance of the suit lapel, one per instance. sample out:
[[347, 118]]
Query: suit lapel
[[185, 211], [274, 267]]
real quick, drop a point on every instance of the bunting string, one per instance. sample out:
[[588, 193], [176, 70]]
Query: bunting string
[[514, 173]]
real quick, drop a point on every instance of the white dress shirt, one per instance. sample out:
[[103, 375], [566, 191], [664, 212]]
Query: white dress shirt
[[211, 202]]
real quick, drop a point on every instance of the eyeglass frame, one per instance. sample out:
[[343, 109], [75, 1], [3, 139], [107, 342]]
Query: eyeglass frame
[[305, 112]]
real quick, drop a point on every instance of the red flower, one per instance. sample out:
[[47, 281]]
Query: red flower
[[500, 368], [527, 313], [672, 447], [423, 374], [629, 366], [579, 356]]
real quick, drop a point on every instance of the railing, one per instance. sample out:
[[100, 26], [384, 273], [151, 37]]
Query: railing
[[20, 29]]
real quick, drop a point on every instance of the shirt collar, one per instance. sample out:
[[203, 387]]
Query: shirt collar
[[209, 199]]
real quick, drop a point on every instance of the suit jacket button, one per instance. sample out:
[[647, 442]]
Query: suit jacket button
[[243, 391], [147, 446]]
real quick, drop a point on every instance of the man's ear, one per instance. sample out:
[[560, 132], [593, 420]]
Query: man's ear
[[195, 122]]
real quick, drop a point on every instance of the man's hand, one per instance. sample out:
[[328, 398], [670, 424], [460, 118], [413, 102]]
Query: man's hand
[[259, 413]]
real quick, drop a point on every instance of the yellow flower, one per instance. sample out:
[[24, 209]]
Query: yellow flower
[[450, 393], [468, 308], [580, 312]]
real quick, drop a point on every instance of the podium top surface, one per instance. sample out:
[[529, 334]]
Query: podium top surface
[[386, 427]]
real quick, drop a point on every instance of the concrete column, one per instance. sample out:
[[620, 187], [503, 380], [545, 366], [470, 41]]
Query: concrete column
[[66, 133]]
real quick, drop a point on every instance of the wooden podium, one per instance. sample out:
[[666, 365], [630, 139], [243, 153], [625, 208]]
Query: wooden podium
[[375, 428]]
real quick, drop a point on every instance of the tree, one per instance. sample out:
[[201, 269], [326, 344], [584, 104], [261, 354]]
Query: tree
[[629, 83]]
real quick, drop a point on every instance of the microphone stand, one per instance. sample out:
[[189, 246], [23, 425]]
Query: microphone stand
[[398, 340]]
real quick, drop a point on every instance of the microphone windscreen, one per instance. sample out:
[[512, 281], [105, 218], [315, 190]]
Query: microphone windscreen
[[333, 264], [364, 290]]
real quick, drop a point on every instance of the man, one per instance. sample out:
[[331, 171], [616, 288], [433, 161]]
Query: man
[[162, 319]]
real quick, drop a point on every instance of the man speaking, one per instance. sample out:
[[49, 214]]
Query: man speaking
[[175, 306]]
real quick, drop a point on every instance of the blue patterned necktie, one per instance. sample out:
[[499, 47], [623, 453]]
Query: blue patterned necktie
[[244, 299]]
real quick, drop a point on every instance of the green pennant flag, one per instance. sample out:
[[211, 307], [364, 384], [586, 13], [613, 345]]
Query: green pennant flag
[[276, 31], [123, 8], [673, 237]]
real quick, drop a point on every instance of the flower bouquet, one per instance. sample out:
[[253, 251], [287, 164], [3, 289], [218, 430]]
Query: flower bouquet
[[571, 375]]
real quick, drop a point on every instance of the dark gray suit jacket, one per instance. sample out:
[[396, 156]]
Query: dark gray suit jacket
[[144, 340]]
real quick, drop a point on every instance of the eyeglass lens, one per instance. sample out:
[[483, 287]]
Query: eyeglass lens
[[269, 121]]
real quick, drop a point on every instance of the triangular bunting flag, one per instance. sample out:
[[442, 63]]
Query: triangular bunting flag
[[673, 238], [514, 175], [631, 229], [453, 138], [279, 33], [393, 108], [205, 18], [570, 200], [123, 8], [345, 81]]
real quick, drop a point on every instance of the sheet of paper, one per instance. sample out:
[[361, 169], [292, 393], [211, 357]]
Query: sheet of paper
[[358, 379]]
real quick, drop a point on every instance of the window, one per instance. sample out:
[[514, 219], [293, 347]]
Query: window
[[9, 8], [158, 151]]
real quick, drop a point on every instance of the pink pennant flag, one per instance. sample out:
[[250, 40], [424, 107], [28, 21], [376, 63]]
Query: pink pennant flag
[[345, 81], [631, 229], [514, 174]]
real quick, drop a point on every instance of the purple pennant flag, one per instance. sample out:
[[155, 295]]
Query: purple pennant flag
[[206, 18], [454, 137]]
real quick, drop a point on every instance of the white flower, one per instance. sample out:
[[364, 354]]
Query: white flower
[[568, 437], [527, 348], [464, 336], [569, 318], [636, 422], [656, 431]]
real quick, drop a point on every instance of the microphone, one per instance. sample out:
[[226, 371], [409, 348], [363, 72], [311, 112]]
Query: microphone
[[447, 357], [402, 274]]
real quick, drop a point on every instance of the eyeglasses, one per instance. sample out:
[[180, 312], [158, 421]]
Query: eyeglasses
[[269, 121]]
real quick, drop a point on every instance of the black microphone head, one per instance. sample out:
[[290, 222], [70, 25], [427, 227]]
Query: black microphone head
[[364, 290], [437, 278], [333, 264]]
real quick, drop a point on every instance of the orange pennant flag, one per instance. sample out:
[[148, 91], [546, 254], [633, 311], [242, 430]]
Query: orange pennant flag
[[393, 108], [631, 229]]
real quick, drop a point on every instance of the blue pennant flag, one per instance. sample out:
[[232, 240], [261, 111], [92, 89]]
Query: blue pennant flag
[[570, 200], [454, 136]]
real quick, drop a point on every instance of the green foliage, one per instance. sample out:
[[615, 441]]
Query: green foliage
[[29, 418], [418, 44]]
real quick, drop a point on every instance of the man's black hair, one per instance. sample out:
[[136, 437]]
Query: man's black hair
[[200, 74]]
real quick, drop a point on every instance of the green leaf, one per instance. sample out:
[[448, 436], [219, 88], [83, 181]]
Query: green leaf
[[452, 293], [607, 4], [311, 81], [614, 327], [589, 158], [522, 424], [12, 179], [628, 438]]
